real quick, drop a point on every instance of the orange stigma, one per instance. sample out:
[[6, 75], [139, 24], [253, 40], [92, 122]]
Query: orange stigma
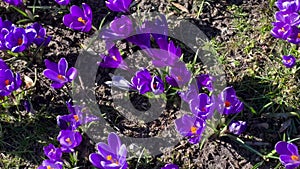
[[76, 118], [227, 103], [154, 86], [295, 158], [6, 82], [20, 41], [68, 140], [194, 129], [203, 109], [61, 77], [81, 20], [289, 61], [179, 78]]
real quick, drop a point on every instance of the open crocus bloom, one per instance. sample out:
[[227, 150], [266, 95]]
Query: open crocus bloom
[[59, 73], [111, 155], [289, 155]]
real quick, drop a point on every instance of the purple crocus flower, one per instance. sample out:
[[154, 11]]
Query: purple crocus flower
[[202, 106], [190, 94], [3, 65], [120, 28], [53, 153], [59, 73], [16, 40], [283, 26], [69, 139], [39, 37], [191, 127], [78, 116], [9, 82], [5, 28], [157, 85], [141, 37], [289, 155], [49, 164], [62, 2], [113, 59], [79, 19], [288, 5], [167, 55], [237, 127], [171, 81], [141, 81], [118, 5], [180, 73], [289, 61], [158, 28], [229, 103], [294, 35], [14, 2], [170, 166], [111, 155], [205, 81]]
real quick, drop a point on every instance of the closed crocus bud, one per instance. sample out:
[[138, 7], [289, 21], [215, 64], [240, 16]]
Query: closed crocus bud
[[62, 2], [120, 28], [170, 166], [118, 5], [237, 127]]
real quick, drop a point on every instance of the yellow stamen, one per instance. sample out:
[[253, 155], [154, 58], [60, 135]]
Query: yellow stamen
[[298, 35], [68, 140], [49, 167], [76, 118], [61, 77], [282, 30], [109, 157], [294, 158], [114, 58], [81, 20], [193, 129]]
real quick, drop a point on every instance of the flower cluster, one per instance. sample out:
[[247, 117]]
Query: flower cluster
[[69, 137], [9, 81], [18, 39], [286, 26], [176, 74]]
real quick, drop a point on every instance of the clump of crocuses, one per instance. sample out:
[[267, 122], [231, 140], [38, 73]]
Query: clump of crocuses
[[111, 155], [59, 73], [17, 39], [289, 155]]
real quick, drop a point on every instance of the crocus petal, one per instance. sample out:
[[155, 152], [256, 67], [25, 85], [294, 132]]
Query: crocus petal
[[281, 148], [114, 142], [72, 74], [62, 66]]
